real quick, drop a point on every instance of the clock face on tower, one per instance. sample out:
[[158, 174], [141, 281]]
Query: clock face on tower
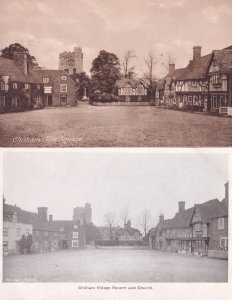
[[70, 63]]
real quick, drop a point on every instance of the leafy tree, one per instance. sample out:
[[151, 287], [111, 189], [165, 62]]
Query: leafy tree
[[104, 72], [82, 82], [8, 52]]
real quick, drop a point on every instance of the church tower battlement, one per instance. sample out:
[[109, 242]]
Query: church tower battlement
[[71, 61]]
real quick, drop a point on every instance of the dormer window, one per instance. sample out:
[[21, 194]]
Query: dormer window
[[15, 85], [63, 77], [45, 80]]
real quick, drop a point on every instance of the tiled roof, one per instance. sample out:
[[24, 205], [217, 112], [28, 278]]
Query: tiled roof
[[224, 59], [131, 231], [10, 68], [133, 82], [27, 217], [51, 74], [208, 210]]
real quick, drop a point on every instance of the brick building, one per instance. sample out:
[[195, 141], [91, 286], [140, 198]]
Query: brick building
[[71, 61], [59, 87], [47, 235]]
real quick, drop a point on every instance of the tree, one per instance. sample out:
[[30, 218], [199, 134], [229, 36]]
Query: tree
[[144, 220], [104, 72], [150, 62], [127, 57], [110, 221], [124, 215], [82, 83], [8, 52]]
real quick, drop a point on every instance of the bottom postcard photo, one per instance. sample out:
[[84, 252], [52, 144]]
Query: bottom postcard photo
[[115, 217]]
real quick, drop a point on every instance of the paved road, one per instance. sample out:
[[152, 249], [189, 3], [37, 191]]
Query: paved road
[[91, 126], [113, 265]]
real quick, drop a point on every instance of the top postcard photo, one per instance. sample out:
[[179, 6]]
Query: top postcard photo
[[93, 73]]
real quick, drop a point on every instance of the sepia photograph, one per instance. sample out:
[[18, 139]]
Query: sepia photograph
[[103, 73], [115, 217]]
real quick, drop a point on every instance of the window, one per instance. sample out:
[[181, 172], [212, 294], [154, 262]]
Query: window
[[37, 233], [75, 243], [26, 86], [63, 99], [45, 80], [18, 232], [15, 85], [2, 101], [75, 226], [46, 233], [75, 234], [5, 231], [3, 86], [216, 78], [14, 102], [45, 244], [55, 233], [63, 87], [61, 228], [63, 77], [38, 87], [224, 243], [221, 223], [5, 246]]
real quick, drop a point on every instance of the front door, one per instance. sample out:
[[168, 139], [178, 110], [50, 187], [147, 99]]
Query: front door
[[49, 100]]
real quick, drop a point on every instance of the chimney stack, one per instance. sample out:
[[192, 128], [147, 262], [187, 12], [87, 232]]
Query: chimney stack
[[21, 60], [42, 212], [196, 52], [50, 218], [227, 191], [171, 68], [127, 225], [161, 218], [181, 205]]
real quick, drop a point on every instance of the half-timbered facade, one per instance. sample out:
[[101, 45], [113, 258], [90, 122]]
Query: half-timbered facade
[[131, 90], [205, 84]]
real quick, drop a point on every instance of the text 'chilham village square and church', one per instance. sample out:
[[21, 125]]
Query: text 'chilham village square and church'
[[200, 230], [204, 85]]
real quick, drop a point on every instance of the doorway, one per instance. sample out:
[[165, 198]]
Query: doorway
[[49, 100]]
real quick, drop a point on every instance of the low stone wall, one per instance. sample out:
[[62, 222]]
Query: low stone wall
[[121, 103], [218, 254]]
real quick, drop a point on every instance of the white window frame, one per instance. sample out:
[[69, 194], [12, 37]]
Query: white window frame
[[3, 86], [15, 86], [45, 80], [26, 86], [45, 233], [45, 244], [63, 87], [221, 225], [226, 243], [75, 226], [38, 86], [63, 77], [75, 243], [75, 235], [14, 102], [2, 101]]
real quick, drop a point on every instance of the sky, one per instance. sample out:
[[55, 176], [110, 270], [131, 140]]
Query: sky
[[110, 182], [50, 27]]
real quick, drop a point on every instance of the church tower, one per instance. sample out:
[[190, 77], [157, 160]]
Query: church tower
[[71, 61]]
